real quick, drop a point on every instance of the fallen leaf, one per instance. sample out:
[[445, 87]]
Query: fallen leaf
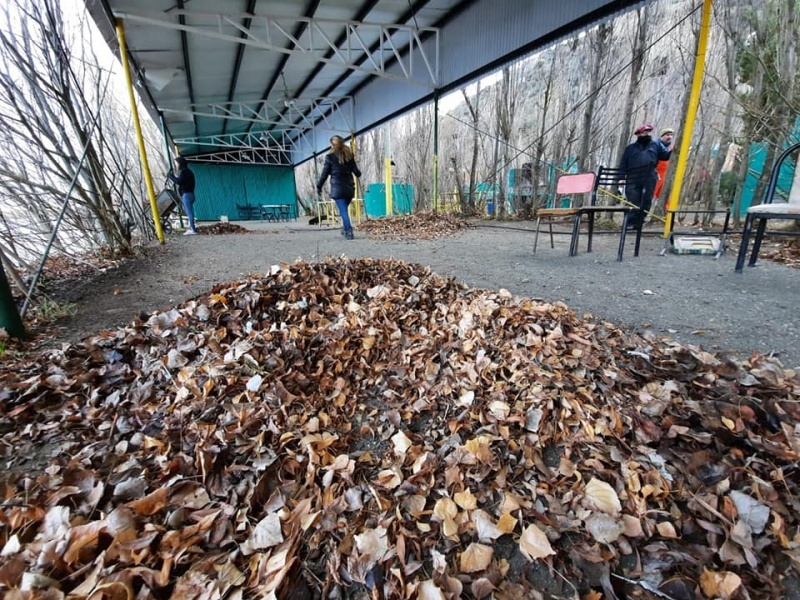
[[534, 543], [476, 557], [602, 496]]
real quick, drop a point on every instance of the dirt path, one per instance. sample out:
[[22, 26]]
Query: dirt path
[[693, 299]]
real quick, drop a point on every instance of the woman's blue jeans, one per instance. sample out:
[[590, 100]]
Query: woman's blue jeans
[[344, 213], [188, 208]]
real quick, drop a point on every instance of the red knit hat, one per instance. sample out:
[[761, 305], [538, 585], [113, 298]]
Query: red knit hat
[[642, 129]]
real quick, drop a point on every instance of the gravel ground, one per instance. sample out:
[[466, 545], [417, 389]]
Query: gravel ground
[[693, 299]]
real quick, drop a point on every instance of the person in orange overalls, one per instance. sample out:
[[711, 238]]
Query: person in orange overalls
[[665, 139]]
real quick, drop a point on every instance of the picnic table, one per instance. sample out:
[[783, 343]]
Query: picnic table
[[276, 212]]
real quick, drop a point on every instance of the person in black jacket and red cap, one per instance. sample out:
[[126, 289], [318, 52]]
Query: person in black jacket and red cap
[[340, 165], [639, 165]]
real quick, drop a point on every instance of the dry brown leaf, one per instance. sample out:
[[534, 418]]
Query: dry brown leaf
[[401, 442], [373, 543], [476, 557], [602, 496], [485, 526], [667, 530], [445, 509], [428, 590], [266, 534], [507, 523], [152, 503], [466, 500], [721, 585], [534, 543]]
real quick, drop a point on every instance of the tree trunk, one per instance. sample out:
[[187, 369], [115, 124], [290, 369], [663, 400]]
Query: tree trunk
[[474, 111], [637, 68], [599, 42], [540, 146]]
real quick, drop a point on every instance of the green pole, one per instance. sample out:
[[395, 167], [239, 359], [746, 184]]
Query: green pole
[[9, 315]]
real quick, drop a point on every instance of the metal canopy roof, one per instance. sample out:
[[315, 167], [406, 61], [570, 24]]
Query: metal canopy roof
[[271, 80]]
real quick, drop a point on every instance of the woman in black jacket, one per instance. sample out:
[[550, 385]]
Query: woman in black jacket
[[340, 165]]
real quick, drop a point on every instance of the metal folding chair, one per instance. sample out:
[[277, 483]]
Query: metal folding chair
[[571, 185]]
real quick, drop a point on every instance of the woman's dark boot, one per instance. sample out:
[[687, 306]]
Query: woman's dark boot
[[348, 234]]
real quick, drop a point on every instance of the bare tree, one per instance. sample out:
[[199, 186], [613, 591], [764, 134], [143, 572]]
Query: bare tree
[[417, 154], [56, 107], [506, 102], [474, 112], [730, 40], [599, 44], [638, 57], [540, 144]]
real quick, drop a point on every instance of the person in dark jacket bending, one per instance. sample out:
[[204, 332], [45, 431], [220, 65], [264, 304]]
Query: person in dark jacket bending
[[340, 165], [639, 165], [185, 181]]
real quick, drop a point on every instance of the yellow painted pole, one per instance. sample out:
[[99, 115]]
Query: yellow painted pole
[[357, 186], [387, 169], [387, 176], [355, 179], [148, 178], [436, 152], [691, 114]]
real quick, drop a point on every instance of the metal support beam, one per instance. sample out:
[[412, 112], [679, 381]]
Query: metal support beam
[[247, 148], [397, 44], [148, 179], [256, 140], [295, 115], [246, 156], [691, 112]]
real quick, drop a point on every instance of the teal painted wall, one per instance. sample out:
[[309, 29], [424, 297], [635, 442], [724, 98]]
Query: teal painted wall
[[375, 199], [756, 157], [220, 188]]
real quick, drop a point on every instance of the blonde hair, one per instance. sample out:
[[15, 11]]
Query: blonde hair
[[341, 149]]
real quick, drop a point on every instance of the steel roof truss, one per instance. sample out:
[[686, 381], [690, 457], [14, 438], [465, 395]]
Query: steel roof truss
[[325, 113], [247, 156], [256, 140], [402, 41]]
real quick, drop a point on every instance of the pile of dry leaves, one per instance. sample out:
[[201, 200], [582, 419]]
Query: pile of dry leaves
[[786, 252], [417, 226], [368, 429], [221, 228]]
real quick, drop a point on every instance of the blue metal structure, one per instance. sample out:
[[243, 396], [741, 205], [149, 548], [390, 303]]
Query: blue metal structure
[[271, 80]]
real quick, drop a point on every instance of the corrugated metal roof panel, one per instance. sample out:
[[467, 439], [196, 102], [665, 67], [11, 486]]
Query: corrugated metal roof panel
[[476, 36]]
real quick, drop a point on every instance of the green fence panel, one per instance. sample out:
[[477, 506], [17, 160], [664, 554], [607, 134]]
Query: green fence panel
[[375, 199], [221, 187]]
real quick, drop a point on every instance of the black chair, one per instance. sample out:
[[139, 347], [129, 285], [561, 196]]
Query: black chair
[[608, 181], [248, 211], [764, 212]]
